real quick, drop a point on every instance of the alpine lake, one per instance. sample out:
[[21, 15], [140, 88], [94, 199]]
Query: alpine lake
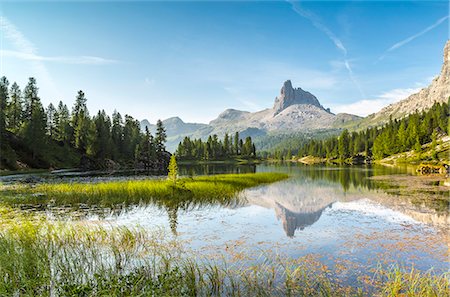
[[350, 219]]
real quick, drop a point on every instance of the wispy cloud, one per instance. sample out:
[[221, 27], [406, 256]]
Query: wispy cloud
[[10, 32], [411, 38], [318, 24], [88, 60], [368, 106], [25, 50]]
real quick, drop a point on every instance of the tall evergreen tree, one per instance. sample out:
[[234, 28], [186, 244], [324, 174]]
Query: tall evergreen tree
[[4, 95], [35, 125], [63, 129], [81, 122], [101, 140], [117, 135], [343, 145], [15, 108], [31, 99], [52, 119], [160, 138], [236, 143], [131, 138]]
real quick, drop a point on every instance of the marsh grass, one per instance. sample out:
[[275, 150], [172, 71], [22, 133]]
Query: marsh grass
[[202, 189], [44, 258]]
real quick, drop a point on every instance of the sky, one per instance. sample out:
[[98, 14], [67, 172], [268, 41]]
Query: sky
[[154, 60]]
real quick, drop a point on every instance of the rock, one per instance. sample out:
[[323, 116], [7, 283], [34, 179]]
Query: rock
[[290, 96], [437, 91]]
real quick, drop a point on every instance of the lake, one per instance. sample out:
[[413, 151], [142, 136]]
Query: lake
[[340, 216]]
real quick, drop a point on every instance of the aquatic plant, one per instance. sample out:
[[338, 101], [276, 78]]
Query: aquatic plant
[[39, 257]]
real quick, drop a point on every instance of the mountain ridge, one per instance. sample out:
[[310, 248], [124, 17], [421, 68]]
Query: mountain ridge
[[297, 110], [437, 91], [294, 110]]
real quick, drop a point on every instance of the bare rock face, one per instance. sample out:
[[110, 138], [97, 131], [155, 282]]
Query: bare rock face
[[437, 91], [290, 96]]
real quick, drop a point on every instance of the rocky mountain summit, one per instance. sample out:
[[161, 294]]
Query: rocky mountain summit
[[437, 91], [290, 96], [294, 110]]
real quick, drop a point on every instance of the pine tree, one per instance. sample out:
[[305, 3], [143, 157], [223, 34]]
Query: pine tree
[[144, 153], [30, 94], [417, 145], [35, 127], [101, 138], [63, 130], [289, 155], [51, 121], [80, 122], [15, 109], [236, 144], [402, 136], [173, 170], [117, 135], [131, 138], [3, 104], [434, 145], [6, 159], [160, 139], [343, 145], [226, 145]]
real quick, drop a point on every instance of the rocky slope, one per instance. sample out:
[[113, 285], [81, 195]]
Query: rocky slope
[[437, 91]]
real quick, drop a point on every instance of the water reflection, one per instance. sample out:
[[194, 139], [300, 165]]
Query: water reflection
[[215, 168], [300, 201], [297, 203]]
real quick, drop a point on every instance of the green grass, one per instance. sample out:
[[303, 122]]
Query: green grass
[[42, 258], [202, 189]]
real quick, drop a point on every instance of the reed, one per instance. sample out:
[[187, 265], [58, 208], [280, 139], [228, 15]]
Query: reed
[[39, 257], [202, 189]]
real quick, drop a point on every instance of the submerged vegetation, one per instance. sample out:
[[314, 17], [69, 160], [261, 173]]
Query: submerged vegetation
[[39, 257]]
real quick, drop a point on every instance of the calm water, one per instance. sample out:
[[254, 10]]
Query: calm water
[[335, 214]]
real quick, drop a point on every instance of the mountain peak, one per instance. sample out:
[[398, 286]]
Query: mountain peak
[[290, 96], [173, 121]]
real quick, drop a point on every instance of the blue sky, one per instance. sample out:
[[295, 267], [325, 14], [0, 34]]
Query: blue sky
[[194, 59]]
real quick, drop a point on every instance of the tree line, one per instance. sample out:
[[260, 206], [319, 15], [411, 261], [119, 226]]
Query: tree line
[[398, 135], [53, 135], [215, 149]]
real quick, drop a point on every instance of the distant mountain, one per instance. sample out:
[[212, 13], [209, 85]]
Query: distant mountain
[[176, 130], [437, 91], [294, 110]]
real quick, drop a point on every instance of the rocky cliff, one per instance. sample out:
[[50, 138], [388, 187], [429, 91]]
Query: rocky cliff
[[294, 110], [437, 91], [290, 96]]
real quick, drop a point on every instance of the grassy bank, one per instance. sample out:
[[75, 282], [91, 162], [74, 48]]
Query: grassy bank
[[215, 188], [38, 257]]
